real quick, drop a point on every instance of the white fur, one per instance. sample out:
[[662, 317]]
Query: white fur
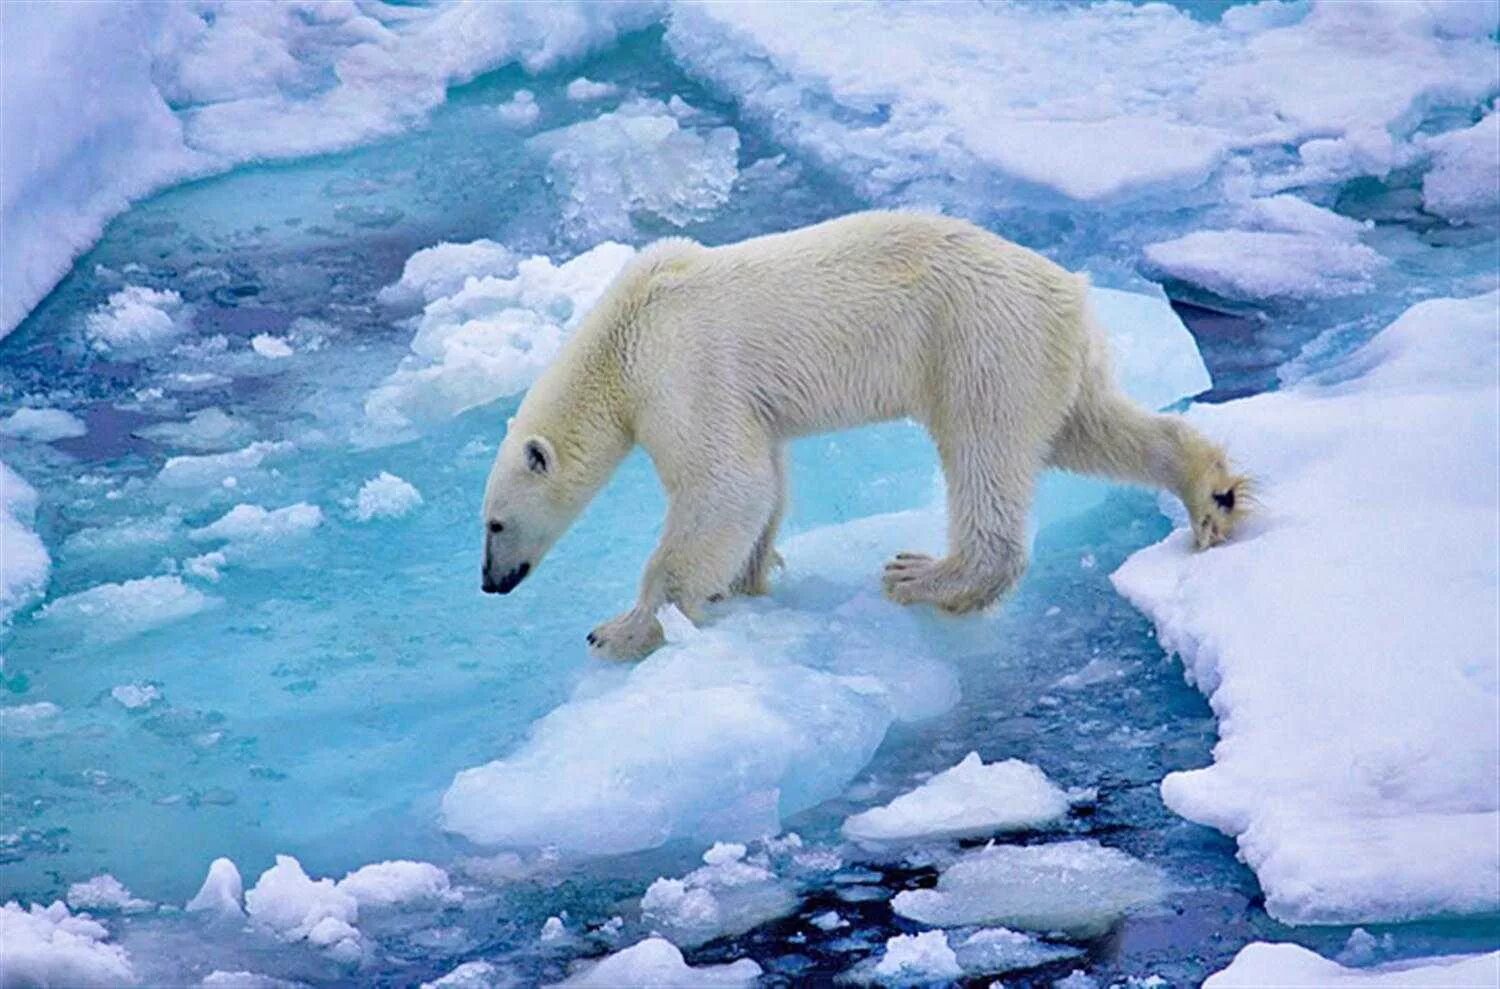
[[711, 358]]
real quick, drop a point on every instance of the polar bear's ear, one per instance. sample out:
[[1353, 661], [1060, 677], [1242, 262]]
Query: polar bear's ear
[[539, 455]]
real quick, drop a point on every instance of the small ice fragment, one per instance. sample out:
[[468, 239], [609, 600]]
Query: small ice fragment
[[726, 896], [105, 892], [994, 950], [296, 908], [221, 891], [272, 347], [473, 975], [49, 946], [246, 523], [384, 884], [110, 612], [385, 496], [24, 720], [828, 920], [42, 425], [920, 958], [134, 696], [658, 963], [520, 110], [220, 979], [206, 429], [137, 319], [970, 798], [584, 89], [553, 930]]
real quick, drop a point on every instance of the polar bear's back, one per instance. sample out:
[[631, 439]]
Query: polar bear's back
[[864, 318]]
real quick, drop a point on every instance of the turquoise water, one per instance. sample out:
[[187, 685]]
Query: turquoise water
[[323, 706]]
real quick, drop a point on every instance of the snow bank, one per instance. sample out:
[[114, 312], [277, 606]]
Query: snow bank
[[489, 338], [970, 799], [1464, 181], [42, 425], [175, 90], [1077, 888], [638, 159], [27, 564], [385, 496], [110, 612], [726, 896], [657, 964], [1261, 964], [911, 107], [48, 946], [1347, 640]]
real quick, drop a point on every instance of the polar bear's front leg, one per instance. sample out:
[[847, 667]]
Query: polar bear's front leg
[[713, 525]]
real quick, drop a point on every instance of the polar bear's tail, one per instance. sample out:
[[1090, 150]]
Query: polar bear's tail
[[1106, 433]]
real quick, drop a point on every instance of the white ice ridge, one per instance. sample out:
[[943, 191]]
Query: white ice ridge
[[27, 563], [657, 964], [167, 91], [913, 107], [1347, 638], [1261, 964], [971, 798]]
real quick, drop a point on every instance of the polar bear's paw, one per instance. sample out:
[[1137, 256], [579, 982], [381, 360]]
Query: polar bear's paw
[[915, 578], [627, 637]]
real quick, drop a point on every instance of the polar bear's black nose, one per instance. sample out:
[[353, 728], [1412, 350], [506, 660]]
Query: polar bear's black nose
[[507, 583]]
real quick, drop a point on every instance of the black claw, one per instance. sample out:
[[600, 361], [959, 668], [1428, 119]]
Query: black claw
[[592, 640]]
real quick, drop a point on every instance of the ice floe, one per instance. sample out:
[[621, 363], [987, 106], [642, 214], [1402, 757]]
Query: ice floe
[[50, 946], [137, 320], [1261, 964], [27, 562], [657, 964], [726, 896], [110, 612], [1356, 763], [385, 496], [42, 425]]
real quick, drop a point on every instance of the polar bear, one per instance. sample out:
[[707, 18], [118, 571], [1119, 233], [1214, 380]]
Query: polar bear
[[713, 358]]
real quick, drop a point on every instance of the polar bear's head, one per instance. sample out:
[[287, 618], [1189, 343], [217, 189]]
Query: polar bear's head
[[526, 509]]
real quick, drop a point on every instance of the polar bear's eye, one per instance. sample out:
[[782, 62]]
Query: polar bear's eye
[[497, 526]]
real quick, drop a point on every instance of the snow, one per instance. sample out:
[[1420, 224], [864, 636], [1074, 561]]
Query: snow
[[1255, 265], [1263, 964], [296, 908], [105, 893], [520, 110], [27, 563], [1077, 888], [179, 90], [137, 320], [1464, 180], [42, 425], [923, 957], [970, 799], [207, 429], [658, 964], [385, 496], [914, 108], [222, 891], [1357, 764], [111, 612], [725, 897], [584, 89], [49, 946], [489, 338], [386, 884], [638, 159]]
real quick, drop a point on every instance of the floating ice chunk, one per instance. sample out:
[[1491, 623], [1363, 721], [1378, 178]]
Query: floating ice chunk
[[1077, 888], [1401, 818], [923, 957], [657, 964], [206, 566], [637, 159], [520, 110], [553, 930], [828, 920], [1264, 964], [1077, 979], [42, 425], [105, 892], [725, 897], [474, 975], [970, 799], [136, 320], [584, 89], [441, 270], [222, 891], [27, 564], [206, 429], [219, 979], [110, 612], [490, 338], [252, 525], [1291, 214], [28, 720], [296, 908], [134, 696], [1255, 265], [271, 347], [211, 470], [1098, 670], [385, 496], [1464, 181], [994, 950], [48, 946], [384, 884]]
